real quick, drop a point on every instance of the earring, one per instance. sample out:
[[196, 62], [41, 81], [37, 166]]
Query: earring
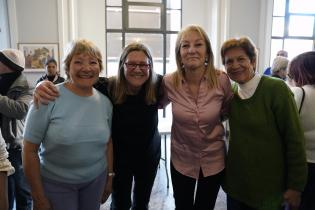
[[206, 62]]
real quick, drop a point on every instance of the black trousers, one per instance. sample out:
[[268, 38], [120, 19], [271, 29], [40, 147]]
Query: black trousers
[[308, 195], [184, 190], [139, 173]]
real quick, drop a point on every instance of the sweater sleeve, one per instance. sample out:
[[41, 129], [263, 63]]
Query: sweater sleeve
[[287, 119], [18, 107], [5, 164], [37, 122]]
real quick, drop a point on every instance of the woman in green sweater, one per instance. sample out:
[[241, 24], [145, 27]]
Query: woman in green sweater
[[266, 163]]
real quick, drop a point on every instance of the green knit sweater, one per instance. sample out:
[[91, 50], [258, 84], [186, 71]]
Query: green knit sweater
[[266, 154]]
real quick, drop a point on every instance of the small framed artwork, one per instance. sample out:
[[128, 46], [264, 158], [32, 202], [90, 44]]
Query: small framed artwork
[[36, 55]]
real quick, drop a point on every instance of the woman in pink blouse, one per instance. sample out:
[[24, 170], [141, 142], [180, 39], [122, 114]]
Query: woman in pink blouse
[[200, 96]]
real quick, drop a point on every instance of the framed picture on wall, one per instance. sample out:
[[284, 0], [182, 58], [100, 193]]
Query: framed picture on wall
[[36, 55]]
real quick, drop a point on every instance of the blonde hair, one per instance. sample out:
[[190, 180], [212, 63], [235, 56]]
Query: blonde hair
[[211, 71], [81, 46], [119, 84]]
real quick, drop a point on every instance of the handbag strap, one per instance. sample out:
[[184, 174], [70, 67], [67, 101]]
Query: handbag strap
[[303, 96]]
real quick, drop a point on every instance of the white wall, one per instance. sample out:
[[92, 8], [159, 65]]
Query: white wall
[[35, 22], [4, 27], [252, 18], [244, 19], [91, 19], [63, 20]]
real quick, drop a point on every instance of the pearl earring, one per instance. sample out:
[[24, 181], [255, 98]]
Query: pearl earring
[[206, 62]]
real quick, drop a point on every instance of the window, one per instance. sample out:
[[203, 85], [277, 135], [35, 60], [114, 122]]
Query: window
[[153, 22], [293, 26]]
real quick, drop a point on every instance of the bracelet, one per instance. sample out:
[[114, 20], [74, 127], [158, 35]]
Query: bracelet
[[111, 174]]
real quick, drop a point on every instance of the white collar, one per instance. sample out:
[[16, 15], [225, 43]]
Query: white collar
[[248, 89]]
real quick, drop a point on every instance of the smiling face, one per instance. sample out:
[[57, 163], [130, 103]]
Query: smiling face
[[238, 65], [83, 71], [193, 50], [136, 70]]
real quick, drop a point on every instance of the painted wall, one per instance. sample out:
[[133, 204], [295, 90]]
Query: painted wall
[[35, 21], [63, 20], [4, 27]]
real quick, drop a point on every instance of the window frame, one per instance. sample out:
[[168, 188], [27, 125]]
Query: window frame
[[286, 35], [126, 30]]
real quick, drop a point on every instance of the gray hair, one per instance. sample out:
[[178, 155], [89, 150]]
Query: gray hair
[[279, 63]]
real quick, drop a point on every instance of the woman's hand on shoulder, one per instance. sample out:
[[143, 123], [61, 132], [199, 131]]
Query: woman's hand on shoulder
[[45, 91]]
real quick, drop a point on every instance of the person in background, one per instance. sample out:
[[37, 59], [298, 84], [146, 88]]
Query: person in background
[[200, 96], [279, 67], [302, 73], [6, 169], [52, 73], [266, 163], [135, 92], [75, 163], [282, 53], [15, 97]]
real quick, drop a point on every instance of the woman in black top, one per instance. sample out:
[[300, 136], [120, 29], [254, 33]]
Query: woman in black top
[[137, 143]]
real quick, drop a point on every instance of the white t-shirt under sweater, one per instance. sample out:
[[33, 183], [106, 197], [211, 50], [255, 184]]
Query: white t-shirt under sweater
[[307, 117], [248, 89]]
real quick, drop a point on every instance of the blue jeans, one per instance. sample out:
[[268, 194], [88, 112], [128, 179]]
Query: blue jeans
[[18, 188]]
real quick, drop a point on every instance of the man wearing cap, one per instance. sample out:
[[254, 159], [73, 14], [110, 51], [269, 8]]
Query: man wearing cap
[[15, 96]]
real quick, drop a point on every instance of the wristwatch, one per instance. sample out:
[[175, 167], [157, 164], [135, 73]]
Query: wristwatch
[[111, 174]]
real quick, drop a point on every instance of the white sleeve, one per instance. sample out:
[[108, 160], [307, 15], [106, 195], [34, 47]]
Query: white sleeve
[[298, 95], [5, 164]]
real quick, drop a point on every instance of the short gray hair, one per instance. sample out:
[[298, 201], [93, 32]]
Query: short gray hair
[[279, 63]]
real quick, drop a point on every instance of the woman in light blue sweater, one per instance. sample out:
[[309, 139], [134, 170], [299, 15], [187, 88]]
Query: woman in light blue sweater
[[73, 167]]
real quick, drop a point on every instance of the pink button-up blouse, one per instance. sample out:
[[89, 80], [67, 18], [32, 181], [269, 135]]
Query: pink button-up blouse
[[197, 135]]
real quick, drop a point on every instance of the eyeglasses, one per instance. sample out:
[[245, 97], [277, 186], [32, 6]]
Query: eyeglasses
[[133, 66]]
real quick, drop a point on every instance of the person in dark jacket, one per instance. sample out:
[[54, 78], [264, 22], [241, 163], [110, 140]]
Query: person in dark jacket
[[15, 96], [52, 73]]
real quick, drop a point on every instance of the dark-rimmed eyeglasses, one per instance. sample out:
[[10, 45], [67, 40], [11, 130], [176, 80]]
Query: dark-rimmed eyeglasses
[[133, 66]]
